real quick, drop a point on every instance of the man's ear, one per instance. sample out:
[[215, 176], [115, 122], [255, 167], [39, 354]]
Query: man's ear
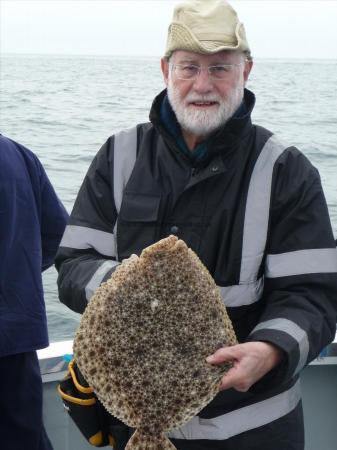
[[247, 69], [164, 64]]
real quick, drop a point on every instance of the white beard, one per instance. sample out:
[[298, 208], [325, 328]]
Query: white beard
[[203, 122]]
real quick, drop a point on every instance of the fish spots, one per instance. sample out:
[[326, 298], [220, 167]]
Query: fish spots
[[196, 373], [144, 337], [128, 384], [214, 314], [177, 401], [139, 352], [136, 440], [154, 304], [184, 349], [116, 362]]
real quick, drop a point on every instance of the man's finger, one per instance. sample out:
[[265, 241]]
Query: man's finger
[[229, 380], [222, 355], [235, 379]]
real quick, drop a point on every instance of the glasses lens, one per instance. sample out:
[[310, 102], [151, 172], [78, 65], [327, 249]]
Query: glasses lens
[[186, 71], [220, 72]]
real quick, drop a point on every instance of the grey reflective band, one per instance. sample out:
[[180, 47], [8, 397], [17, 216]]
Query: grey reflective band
[[322, 260], [293, 330], [257, 210], [241, 420], [97, 277], [125, 153], [84, 237], [242, 294]]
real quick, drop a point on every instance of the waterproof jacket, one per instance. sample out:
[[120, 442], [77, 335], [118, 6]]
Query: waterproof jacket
[[254, 211], [32, 221]]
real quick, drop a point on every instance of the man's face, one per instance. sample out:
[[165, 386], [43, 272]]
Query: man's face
[[205, 103]]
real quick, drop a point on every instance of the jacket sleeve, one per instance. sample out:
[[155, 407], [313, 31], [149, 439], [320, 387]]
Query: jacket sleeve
[[300, 269], [87, 254], [53, 220]]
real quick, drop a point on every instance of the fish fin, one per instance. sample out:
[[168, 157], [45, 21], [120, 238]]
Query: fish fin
[[142, 441]]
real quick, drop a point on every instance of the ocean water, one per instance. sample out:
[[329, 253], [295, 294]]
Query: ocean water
[[64, 108]]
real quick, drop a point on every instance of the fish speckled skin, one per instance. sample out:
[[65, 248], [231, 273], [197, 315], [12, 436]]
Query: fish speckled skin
[[144, 337]]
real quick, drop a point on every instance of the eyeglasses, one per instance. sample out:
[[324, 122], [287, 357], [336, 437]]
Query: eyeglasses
[[191, 71]]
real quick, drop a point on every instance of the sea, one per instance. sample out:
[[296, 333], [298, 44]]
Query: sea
[[65, 107]]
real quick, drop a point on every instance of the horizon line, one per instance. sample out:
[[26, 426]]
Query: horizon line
[[332, 58]]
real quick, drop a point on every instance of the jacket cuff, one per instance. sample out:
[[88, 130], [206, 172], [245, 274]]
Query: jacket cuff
[[286, 369], [110, 272]]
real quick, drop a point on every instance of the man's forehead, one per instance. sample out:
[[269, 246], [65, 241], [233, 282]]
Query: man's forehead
[[219, 57]]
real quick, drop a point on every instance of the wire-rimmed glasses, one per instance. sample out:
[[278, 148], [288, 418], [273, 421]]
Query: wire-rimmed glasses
[[192, 71]]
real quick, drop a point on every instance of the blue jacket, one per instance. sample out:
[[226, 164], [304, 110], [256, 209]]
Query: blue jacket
[[32, 221]]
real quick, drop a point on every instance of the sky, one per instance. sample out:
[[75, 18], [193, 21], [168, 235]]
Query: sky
[[275, 28]]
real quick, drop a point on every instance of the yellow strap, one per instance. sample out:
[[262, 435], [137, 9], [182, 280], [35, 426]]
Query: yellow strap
[[84, 390], [78, 401], [112, 441], [96, 439]]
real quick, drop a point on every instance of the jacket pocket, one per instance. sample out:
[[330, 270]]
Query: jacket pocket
[[139, 207], [138, 224]]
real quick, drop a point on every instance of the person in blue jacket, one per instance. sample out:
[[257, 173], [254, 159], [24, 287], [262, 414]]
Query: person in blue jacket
[[32, 221]]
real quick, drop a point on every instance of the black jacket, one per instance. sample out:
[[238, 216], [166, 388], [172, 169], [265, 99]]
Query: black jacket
[[254, 212]]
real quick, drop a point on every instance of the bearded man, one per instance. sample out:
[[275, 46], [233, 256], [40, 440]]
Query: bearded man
[[250, 206]]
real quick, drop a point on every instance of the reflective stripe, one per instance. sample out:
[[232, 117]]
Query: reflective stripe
[[295, 331], [84, 237], [322, 260], [240, 420], [257, 210], [125, 153], [242, 294], [97, 278]]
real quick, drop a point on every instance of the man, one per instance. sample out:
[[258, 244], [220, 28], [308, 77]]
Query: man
[[251, 207], [32, 221]]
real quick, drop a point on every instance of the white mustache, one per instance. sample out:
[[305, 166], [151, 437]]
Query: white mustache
[[202, 99]]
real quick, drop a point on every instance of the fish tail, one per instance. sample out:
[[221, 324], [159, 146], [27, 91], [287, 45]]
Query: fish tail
[[142, 441]]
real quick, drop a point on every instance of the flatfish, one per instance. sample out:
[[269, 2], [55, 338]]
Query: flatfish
[[144, 337]]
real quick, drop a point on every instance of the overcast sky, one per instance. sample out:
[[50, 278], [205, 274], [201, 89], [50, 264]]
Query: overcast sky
[[274, 28]]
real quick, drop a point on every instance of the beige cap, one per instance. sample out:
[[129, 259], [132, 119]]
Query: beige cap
[[205, 26]]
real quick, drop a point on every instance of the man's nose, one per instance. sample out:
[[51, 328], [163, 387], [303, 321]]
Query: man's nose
[[203, 82]]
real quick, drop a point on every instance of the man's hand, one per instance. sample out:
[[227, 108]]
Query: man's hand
[[252, 360]]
